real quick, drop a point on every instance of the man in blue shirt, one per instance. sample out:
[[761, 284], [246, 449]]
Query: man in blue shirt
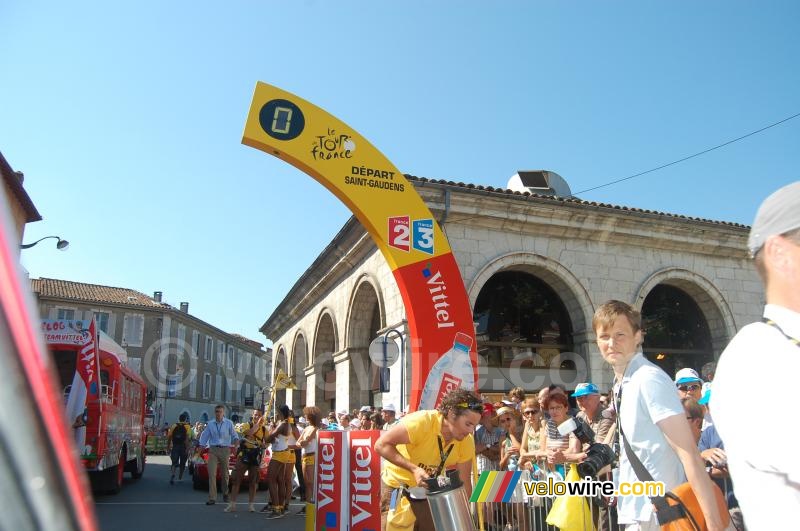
[[218, 437]]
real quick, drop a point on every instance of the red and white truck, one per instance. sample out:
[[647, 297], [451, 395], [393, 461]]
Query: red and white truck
[[104, 400]]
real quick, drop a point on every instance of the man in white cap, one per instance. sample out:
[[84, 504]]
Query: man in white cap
[[389, 416], [689, 384], [767, 481]]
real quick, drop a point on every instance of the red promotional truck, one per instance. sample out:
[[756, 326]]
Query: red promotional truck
[[104, 400]]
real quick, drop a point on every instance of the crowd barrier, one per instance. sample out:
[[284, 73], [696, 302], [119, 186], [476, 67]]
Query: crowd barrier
[[523, 513], [156, 444]]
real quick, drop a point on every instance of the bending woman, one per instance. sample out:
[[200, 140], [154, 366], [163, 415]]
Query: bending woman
[[425, 443]]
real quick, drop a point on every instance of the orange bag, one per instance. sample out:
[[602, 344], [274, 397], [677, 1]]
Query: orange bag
[[684, 513]]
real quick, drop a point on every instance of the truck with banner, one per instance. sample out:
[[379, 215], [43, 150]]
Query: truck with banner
[[103, 398]]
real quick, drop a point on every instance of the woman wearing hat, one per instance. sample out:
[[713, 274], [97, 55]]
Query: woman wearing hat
[[425, 444], [508, 418]]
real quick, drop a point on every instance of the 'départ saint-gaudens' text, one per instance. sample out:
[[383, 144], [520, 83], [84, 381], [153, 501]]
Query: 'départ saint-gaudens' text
[[373, 178]]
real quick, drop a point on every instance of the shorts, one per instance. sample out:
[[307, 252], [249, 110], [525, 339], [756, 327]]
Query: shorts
[[179, 455], [283, 456], [308, 460]]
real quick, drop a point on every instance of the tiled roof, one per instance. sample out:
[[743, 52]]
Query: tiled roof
[[572, 200], [249, 341], [78, 291]]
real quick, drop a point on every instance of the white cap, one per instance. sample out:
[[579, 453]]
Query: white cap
[[364, 409], [687, 375], [390, 407]]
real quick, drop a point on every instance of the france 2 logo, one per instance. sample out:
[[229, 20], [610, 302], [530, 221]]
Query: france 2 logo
[[405, 234]]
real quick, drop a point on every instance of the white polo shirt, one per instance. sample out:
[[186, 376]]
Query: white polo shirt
[[767, 476], [648, 396]]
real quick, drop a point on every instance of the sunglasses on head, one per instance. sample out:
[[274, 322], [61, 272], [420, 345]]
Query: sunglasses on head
[[690, 387], [473, 406]]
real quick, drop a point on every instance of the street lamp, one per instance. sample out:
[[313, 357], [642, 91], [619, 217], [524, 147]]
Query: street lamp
[[380, 355], [61, 245]]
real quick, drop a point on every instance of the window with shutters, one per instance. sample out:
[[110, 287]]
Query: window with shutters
[[209, 353], [101, 318], [195, 343], [181, 335], [65, 313], [206, 385], [133, 330]]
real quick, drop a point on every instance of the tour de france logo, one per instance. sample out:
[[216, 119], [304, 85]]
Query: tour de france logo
[[282, 119]]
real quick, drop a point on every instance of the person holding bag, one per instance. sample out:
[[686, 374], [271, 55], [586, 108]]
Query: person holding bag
[[657, 443], [248, 458]]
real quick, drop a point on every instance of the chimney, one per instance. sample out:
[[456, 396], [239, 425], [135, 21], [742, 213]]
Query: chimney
[[185, 307], [157, 296]]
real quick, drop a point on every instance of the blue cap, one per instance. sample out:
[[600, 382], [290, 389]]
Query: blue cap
[[584, 389]]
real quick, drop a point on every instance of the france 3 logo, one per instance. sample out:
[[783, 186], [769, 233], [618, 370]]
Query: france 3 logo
[[405, 234]]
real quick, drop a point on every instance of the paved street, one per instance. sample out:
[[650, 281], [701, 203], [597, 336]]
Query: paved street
[[151, 503]]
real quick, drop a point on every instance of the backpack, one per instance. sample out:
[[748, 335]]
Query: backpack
[[179, 434]]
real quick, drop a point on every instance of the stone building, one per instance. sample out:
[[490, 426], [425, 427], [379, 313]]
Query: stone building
[[536, 263], [188, 364]]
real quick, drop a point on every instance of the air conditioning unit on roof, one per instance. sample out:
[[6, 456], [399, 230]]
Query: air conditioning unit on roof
[[540, 182]]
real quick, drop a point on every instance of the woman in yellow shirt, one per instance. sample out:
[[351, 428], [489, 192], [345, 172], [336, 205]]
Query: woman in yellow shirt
[[423, 444]]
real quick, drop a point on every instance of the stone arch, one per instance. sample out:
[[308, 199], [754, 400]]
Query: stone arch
[[365, 316], [326, 343], [566, 285], [297, 363], [366, 294], [579, 307], [718, 314]]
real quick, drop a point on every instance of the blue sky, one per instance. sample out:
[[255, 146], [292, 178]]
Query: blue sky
[[127, 121]]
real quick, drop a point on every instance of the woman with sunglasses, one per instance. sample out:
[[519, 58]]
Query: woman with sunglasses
[[509, 460], [422, 445], [530, 453], [559, 448]]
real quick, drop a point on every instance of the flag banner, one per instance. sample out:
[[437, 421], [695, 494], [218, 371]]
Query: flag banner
[[85, 388]]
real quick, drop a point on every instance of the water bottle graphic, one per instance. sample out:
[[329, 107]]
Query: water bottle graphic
[[452, 370]]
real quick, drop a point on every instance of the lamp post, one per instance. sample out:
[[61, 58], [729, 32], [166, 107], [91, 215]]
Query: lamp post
[[61, 245]]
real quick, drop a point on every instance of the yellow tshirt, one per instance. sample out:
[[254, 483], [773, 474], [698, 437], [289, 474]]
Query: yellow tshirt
[[255, 440], [424, 429]]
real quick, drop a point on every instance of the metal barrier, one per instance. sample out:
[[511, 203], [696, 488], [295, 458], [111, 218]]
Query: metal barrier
[[525, 513], [156, 444]]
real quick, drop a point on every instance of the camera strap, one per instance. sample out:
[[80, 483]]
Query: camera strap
[[775, 325], [660, 502]]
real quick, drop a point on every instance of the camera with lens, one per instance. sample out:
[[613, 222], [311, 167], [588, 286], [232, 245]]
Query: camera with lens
[[597, 456]]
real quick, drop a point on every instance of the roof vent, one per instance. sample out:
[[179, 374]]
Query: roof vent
[[185, 307], [540, 182], [157, 296]]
